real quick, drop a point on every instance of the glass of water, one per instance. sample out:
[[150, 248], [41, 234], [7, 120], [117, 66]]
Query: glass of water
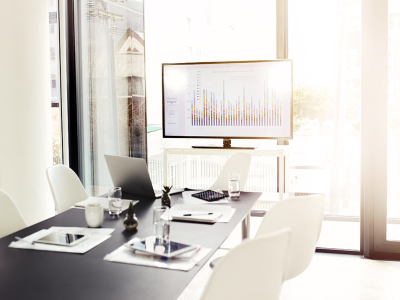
[[161, 223], [234, 185], [115, 201]]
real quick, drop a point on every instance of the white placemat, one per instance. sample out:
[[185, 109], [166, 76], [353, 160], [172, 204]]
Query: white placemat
[[226, 211], [97, 236], [128, 256], [104, 201]]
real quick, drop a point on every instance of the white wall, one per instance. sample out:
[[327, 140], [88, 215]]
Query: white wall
[[25, 120]]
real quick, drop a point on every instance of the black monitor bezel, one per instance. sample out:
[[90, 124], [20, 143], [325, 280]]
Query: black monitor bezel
[[227, 137]]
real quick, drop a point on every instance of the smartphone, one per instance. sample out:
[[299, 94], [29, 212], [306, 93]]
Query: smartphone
[[62, 239], [154, 246]]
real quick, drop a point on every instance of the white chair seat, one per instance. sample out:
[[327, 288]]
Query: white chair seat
[[304, 216], [252, 270], [237, 163], [10, 216], [65, 186]]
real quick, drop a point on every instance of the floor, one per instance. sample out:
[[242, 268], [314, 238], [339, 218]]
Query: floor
[[329, 276]]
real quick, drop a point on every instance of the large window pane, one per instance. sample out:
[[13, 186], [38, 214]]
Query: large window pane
[[324, 43], [54, 41], [217, 30], [112, 106]]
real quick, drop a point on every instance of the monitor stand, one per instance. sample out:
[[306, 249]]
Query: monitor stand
[[226, 145]]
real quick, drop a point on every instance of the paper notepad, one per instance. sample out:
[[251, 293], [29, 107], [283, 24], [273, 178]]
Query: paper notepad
[[128, 256], [219, 213], [104, 201]]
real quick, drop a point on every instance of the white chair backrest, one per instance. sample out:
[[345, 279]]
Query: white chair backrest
[[10, 217], [65, 186], [304, 216], [237, 163], [252, 270]]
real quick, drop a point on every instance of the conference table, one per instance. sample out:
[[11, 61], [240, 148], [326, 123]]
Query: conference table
[[31, 274]]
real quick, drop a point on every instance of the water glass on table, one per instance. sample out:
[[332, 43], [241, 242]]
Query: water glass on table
[[115, 201], [234, 185], [161, 223]]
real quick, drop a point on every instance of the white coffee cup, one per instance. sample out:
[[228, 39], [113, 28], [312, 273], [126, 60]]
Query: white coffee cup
[[94, 214]]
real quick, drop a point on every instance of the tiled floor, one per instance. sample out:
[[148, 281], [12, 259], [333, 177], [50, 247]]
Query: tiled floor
[[329, 276], [336, 276]]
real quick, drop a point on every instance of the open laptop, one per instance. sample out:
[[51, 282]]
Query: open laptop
[[132, 175]]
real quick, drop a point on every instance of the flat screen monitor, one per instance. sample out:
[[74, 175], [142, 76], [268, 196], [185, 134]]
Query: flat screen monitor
[[229, 100]]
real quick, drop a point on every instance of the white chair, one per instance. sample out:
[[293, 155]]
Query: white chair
[[237, 163], [10, 217], [304, 216], [252, 270], [65, 186]]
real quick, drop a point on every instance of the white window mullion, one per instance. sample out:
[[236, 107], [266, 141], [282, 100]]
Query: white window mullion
[[282, 50], [374, 93], [64, 84]]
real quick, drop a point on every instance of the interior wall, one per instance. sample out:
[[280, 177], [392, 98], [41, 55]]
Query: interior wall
[[25, 110]]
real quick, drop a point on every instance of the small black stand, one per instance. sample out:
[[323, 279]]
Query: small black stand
[[227, 143]]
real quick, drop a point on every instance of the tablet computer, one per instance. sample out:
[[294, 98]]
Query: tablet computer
[[209, 196], [155, 246], [62, 239]]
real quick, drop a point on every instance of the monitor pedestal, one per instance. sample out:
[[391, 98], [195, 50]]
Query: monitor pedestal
[[282, 142], [226, 145]]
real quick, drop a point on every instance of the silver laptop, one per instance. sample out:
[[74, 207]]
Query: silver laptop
[[132, 175]]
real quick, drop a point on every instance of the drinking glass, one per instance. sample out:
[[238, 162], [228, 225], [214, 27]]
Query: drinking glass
[[94, 214], [234, 185], [161, 223], [115, 201]]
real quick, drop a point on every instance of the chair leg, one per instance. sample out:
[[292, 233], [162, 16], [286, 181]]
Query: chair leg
[[214, 262], [246, 227]]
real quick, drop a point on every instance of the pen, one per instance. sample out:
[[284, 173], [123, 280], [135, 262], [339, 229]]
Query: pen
[[199, 214], [21, 239]]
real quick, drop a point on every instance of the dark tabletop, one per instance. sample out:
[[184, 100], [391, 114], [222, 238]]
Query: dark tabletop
[[31, 274]]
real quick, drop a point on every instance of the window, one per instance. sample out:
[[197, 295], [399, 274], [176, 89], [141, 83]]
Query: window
[[54, 83], [203, 31], [52, 53], [111, 102], [324, 43]]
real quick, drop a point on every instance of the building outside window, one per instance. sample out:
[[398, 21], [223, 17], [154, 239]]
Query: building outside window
[[111, 94], [54, 42]]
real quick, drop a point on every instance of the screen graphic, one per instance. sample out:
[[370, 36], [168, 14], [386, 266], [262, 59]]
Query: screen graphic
[[228, 99]]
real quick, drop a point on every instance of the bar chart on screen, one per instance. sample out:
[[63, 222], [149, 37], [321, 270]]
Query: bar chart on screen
[[238, 112], [237, 99]]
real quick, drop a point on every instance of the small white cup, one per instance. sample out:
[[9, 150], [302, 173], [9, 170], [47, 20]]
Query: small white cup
[[94, 214]]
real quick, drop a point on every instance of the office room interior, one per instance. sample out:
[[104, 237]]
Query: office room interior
[[81, 79]]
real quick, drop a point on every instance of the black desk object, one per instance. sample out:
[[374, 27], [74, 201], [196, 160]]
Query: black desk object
[[42, 275]]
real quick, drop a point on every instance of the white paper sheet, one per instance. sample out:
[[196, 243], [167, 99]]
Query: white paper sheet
[[187, 197], [128, 256], [226, 211], [97, 236], [104, 201]]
